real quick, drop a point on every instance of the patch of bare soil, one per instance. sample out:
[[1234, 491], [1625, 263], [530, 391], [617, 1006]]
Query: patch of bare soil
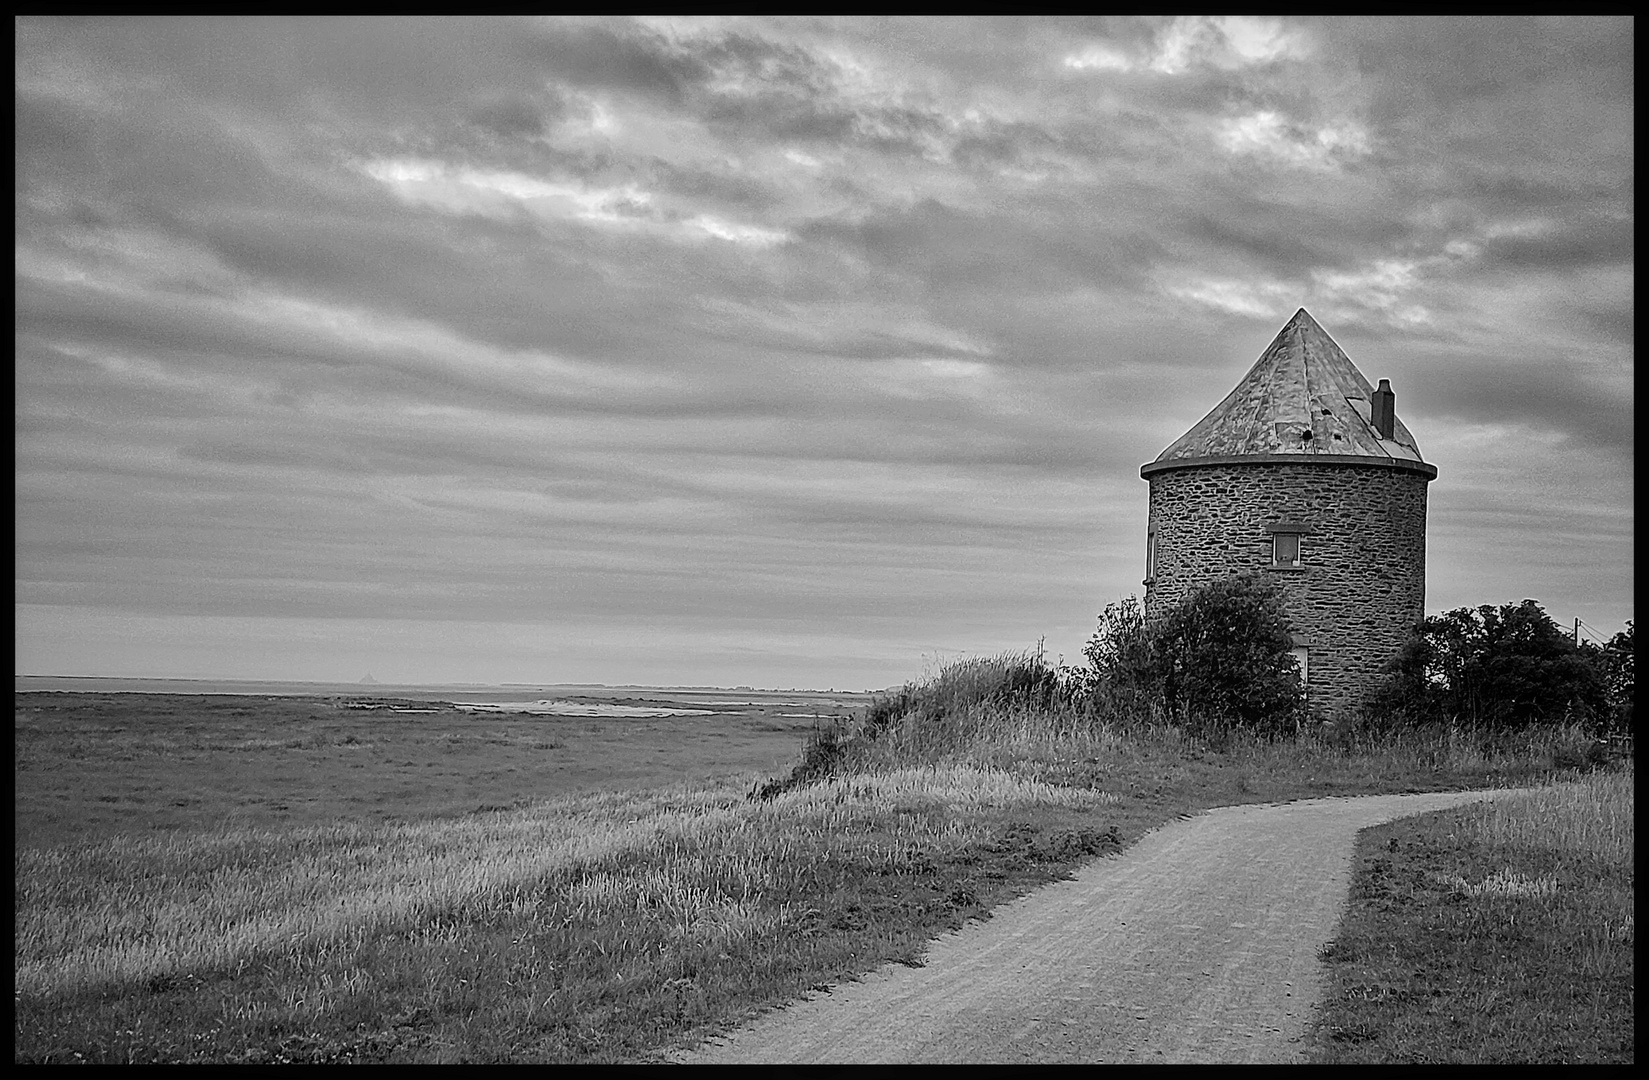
[[1198, 944]]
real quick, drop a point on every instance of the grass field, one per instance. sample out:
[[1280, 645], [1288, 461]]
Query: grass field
[[1500, 933], [587, 926]]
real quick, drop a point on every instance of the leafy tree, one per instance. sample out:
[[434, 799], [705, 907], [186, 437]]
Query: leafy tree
[[1620, 672], [1223, 655], [1507, 667], [1615, 663], [1119, 653]]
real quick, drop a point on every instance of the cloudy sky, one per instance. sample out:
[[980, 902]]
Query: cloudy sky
[[779, 352]]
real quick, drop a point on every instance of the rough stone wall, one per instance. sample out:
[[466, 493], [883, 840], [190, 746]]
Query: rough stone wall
[[1362, 585]]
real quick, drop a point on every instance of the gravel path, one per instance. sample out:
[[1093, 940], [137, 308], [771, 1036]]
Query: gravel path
[[1198, 944]]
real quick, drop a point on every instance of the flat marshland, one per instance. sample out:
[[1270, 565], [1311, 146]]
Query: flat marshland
[[95, 764], [462, 907]]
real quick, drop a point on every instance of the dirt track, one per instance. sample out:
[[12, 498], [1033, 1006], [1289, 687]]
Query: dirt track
[[1198, 944]]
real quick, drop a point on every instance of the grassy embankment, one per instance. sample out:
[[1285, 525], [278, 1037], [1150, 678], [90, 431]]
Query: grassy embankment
[[614, 926], [1498, 932]]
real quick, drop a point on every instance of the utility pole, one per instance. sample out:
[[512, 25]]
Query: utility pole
[[1577, 633]]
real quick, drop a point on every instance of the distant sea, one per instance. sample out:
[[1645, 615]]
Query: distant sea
[[468, 692]]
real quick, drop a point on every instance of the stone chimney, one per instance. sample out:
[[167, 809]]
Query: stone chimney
[[1384, 410]]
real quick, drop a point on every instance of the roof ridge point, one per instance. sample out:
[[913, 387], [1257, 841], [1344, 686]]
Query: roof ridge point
[[1302, 382]]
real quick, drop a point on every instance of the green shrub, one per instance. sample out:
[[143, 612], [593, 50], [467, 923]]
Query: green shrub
[[1119, 653], [1220, 659], [1504, 668], [1223, 657]]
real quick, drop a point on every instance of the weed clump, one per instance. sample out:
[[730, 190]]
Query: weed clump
[[821, 759]]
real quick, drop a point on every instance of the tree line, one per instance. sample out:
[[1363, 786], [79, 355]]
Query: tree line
[[1222, 658]]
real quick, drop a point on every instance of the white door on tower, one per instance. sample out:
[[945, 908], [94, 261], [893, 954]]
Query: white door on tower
[[1299, 655]]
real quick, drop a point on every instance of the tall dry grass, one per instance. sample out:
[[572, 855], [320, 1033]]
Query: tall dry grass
[[1562, 855], [701, 859], [1588, 818]]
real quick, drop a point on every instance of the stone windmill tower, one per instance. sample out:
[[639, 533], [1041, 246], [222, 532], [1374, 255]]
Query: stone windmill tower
[[1303, 472]]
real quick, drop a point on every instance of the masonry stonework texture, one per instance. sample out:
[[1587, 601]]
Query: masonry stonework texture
[[1361, 584]]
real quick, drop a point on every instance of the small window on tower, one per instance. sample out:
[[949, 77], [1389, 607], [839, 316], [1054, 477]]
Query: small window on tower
[[1285, 549], [1285, 543], [1150, 555]]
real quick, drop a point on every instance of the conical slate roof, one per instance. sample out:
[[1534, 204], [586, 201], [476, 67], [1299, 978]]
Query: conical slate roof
[[1302, 397]]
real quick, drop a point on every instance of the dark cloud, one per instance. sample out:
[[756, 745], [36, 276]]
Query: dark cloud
[[1608, 322], [1277, 238], [989, 256], [1017, 142], [512, 116], [719, 187], [52, 140], [1548, 395], [1566, 245], [631, 61], [775, 116]]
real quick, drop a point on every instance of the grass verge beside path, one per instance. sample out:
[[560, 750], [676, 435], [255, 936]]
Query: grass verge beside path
[[1497, 932]]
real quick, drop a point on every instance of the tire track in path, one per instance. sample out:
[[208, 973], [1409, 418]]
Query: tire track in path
[[1197, 944]]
